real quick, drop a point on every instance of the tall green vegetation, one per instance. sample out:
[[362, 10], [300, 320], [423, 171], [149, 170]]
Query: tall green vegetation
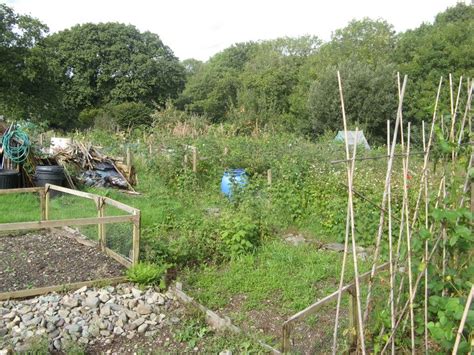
[[111, 74]]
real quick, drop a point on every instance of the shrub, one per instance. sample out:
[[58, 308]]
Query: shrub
[[130, 114], [146, 273]]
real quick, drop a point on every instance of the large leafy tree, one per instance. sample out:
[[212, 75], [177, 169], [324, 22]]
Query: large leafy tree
[[370, 96], [368, 42], [112, 63], [213, 88], [27, 88], [434, 50]]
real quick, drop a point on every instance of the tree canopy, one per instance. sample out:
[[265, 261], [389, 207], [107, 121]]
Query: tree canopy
[[114, 70]]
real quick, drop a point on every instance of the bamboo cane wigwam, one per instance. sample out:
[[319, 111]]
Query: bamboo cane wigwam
[[409, 279]]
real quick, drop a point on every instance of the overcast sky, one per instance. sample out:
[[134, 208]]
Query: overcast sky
[[200, 28]]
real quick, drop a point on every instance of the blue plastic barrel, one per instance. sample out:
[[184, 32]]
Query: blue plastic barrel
[[232, 178]]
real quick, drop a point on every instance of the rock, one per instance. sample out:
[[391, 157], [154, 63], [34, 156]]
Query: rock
[[81, 290], [130, 336], [105, 310], [70, 302], [25, 310], [142, 328], [94, 330], [63, 313], [225, 352], [103, 297], [74, 329], [143, 309], [295, 239], [174, 320], [151, 333], [92, 302], [9, 316], [57, 344], [131, 314], [83, 341], [136, 293], [26, 317], [118, 330], [105, 333], [136, 323]]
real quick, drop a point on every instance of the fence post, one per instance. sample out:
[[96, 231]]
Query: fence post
[[286, 338], [194, 159], [269, 176], [42, 194], [101, 227], [353, 319], [136, 238], [46, 202], [129, 161]]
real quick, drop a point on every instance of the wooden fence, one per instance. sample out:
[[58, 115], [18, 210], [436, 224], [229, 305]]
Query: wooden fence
[[101, 220]]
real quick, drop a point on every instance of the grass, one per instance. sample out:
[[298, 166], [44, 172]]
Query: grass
[[294, 276]]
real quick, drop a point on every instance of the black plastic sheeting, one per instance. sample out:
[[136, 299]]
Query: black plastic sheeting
[[104, 175]]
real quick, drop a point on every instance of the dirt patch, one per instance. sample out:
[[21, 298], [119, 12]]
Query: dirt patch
[[310, 336], [45, 259]]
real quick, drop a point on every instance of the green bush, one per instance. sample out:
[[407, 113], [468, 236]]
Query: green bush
[[146, 273], [130, 114]]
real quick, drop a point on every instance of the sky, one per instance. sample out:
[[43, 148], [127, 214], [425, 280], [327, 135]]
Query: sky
[[201, 28]]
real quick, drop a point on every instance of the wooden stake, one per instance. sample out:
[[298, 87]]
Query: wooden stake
[[136, 238], [43, 204], [129, 162], [101, 227], [427, 154], [46, 203], [343, 269], [351, 209], [425, 258], [194, 160], [226, 151], [390, 247], [408, 239], [463, 321], [269, 176], [384, 197]]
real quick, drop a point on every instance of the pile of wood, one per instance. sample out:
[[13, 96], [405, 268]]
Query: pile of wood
[[93, 167]]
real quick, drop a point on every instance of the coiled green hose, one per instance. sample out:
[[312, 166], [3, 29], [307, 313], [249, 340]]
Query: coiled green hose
[[16, 145]]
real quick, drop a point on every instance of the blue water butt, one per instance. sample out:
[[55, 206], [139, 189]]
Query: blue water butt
[[231, 178]]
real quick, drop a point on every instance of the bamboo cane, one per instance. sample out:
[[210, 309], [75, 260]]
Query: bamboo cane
[[344, 259], [425, 303], [453, 118], [427, 154], [409, 251], [463, 321], [433, 251], [351, 208], [390, 248], [384, 199]]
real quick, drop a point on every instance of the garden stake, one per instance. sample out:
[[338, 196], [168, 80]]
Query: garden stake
[[384, 199], [351, 208], [390, 243], [427, 154], [425, 303], [344, 258], [463, 321], [408, 235]]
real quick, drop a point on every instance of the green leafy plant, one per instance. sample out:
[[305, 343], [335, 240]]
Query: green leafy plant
[[147, 273]]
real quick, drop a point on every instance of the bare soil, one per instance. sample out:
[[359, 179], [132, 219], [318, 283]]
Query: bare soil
[[42, 259], [311, 336]]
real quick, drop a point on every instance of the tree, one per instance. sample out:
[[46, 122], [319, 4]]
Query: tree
[[27, 88], [434, 50], [370, 98], [364, 41], [213, 89], [112, 63]]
